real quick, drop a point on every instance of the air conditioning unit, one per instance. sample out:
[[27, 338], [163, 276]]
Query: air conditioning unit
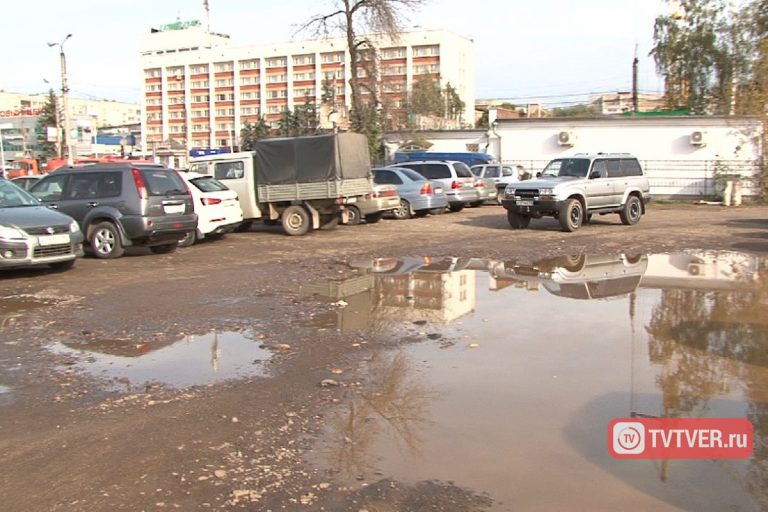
[[567, 138], [698, 138], [696, 269]]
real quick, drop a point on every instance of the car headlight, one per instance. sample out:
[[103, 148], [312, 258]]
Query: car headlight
[[509, 191], [546, 192], [74, 227], [9, 233]]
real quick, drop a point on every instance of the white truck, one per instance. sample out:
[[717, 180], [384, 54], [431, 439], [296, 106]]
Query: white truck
[[302, 183]]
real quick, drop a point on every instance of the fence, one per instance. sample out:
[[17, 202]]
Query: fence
[[683, 178]]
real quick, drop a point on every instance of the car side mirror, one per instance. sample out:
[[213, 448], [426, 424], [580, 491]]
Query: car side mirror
[[538, 174], [598, 174]]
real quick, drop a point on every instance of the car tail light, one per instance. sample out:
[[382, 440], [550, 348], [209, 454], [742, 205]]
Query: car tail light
[[455, 184], [139, 181], [426, 189], [208, 201], [388, 193], [479, 184]]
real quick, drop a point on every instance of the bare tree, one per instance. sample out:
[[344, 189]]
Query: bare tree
[[356, 19]]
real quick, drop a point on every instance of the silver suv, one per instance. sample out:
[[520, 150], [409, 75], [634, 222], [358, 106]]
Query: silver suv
[[574, 188], [122, 204]]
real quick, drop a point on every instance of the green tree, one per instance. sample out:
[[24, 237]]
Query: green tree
[[307, 117], [288, 124], [252, 132], [47, 119], [354, 18], [574, 111], [426, 99], [454, 104]]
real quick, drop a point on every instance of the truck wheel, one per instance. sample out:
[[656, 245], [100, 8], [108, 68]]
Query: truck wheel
[[105, 241], [353, 215], [373, 218], [329, 221], [403, 211], [571, 215], [518, 220], [295, 220], [632, 211]]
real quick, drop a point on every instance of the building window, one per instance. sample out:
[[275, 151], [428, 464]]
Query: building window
[[304, 76], [201, 113], [151, 73], [303, 60], [393, 70], [198, 69], [327, 58], [277, 62], [222, 66], [249, 80], [200, 84], [426, 51], [201, 98], [225, 111], [224, 97], [224, 82], [249, 64], [303, 91], [274, 109], [282, 93], [277, 79], [393, 53]]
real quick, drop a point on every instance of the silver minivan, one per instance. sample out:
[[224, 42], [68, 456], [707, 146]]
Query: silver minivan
[[456, 177]]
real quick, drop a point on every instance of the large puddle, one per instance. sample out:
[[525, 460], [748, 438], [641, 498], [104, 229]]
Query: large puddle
[[520, 367], [188, 361]]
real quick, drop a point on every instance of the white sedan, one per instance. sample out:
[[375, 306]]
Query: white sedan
[[217, 207]]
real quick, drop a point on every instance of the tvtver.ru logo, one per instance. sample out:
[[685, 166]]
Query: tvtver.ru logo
[[628, 437]]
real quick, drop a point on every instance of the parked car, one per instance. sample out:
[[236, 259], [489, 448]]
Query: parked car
[[26, 182], [572, 189], [418, 195], [500, 175], [218, 209], [31, 234], [456, 178], [372, 207], [122, 204]]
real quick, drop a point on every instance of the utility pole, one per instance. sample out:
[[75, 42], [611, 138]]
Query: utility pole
[[64, 101], [635, 108]]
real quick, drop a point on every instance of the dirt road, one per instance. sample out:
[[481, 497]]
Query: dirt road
[[75, 440]]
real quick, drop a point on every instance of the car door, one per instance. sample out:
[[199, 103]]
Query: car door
[[598, 187], [617, 180], [50, 190], [81, 195]]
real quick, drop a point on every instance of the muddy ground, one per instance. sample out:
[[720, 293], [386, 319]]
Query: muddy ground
[[72, 442]]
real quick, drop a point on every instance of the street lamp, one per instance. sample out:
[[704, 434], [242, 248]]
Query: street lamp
[[4, 126], [58, 121], [64, 103]]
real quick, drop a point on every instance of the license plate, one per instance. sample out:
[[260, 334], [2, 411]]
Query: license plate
[[173, 208], [53, 239], [438, 190], [524, 202]]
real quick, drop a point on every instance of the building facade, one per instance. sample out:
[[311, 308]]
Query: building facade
[[200, 90]]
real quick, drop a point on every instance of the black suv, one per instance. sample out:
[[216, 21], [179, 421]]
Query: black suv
[[120, 204]]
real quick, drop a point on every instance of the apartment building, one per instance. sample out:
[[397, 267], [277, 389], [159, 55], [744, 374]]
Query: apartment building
[[199, 89]]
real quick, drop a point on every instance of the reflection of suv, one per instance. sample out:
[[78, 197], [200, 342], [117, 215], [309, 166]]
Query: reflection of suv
[[120, 205], [458, 181], [572, 189]]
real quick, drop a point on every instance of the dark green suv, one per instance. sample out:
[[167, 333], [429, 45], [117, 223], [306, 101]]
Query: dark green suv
[[119, 205]]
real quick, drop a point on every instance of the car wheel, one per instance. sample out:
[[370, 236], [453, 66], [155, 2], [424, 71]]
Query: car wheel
[[295, 220], [62, 265], [456, 207], [164, 249], [189, 239], [421, 213], [329, 221], [571, 215], [632, 211], [403, 211], [518, 220], [373, 218], [105, 241], [574, 262], [353, 215]]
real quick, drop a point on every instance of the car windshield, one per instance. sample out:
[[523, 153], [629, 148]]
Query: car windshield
[[12, 196], [413, 175], [573, 167], [476, 170]]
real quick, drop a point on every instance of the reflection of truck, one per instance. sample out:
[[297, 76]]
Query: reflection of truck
[[23, 167], [301, 182]]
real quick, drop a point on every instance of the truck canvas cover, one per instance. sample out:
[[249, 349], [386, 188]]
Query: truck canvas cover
[[312, 159]]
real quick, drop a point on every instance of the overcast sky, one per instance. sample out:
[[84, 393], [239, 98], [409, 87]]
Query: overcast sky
[[554, 51]]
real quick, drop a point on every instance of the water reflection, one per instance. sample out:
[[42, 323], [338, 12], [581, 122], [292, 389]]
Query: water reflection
[[181, 362], [392, 402], [566, 345]]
